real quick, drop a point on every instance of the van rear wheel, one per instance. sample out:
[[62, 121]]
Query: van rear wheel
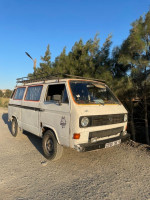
[[52, 150], [14, 127]]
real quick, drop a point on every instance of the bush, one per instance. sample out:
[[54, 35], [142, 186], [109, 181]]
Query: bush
[[4, 102]]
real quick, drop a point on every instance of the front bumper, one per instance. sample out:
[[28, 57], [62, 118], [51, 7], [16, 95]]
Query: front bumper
[[100, 144]]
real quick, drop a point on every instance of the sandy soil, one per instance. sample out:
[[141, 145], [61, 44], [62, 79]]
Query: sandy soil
[[121, 172]]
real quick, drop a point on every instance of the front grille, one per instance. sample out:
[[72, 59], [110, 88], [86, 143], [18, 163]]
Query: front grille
[[107, 119], [105, 133], [99, 120]]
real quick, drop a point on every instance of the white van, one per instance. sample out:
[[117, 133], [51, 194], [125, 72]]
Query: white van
[[74, 112]]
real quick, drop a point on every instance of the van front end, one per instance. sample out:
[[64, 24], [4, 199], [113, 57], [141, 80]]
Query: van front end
[[101, 131], [98, 118]]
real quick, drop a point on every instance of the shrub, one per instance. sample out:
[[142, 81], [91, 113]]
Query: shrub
[[4, 102]]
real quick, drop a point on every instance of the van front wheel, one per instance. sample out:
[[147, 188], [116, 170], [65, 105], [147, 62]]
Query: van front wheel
[[52, 150]]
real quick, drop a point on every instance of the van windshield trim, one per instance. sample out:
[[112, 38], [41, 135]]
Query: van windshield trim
[[87, 92]]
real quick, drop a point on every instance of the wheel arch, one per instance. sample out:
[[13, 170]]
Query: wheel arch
[[13, 117], [45, 128]]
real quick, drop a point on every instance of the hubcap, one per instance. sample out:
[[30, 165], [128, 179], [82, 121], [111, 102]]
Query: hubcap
[[50, 146]]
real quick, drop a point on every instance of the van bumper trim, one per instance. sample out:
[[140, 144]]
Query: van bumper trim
[[99, 144]]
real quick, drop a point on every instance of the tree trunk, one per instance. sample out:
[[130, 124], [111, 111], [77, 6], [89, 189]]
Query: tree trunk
[[145, 110], [146, 118]]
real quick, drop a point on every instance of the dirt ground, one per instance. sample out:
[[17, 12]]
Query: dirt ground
[[121, 172]]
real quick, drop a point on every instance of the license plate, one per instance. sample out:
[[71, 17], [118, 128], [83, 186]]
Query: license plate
[[111, 144]]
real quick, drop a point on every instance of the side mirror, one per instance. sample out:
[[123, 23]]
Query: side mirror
[[57, 97]]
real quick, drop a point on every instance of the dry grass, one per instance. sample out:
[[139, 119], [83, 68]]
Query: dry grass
[[4, 102]]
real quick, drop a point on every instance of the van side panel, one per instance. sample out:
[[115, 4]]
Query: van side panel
[[30, 116], [14, 110]]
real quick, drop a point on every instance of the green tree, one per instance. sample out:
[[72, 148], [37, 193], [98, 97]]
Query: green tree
[[7, 93], [61, 64], [80, 60], [88, 60], [135, 51], [102, 62], [45, 65], [118, 69]]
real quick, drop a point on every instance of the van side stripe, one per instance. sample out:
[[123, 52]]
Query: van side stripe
[[26, 107]]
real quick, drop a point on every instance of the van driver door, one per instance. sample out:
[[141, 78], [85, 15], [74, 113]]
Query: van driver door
[[56, 115]]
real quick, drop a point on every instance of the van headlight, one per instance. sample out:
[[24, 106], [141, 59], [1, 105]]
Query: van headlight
[[84, 121], [125, 118]]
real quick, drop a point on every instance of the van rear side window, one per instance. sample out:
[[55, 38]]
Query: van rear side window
[[19, 93], [34, 93]]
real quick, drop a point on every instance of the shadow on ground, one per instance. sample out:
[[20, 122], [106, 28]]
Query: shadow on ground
[[5, 119], [36, 141]]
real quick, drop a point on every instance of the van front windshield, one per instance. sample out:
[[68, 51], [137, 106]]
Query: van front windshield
[[88, 92]]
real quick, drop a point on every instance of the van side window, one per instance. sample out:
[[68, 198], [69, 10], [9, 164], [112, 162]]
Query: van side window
[[34, 93], [59, 89], [19, 93]]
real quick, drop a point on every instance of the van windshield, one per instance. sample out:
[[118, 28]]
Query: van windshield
[[88, 92]]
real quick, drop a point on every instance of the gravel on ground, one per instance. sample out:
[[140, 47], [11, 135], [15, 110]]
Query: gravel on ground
[[121, 172]]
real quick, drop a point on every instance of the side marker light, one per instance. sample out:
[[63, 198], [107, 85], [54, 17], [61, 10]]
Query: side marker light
[[76, 136]]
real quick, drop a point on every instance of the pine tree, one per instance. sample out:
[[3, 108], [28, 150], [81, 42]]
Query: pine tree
[[102, 62], [135, 51], [119, 70], [45, 66], [61, 64]]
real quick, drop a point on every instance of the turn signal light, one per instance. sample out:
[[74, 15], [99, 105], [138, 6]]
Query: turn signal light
[[76, 136]]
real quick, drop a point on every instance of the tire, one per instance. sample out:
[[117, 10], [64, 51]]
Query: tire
[[15, 130], [51, 149]]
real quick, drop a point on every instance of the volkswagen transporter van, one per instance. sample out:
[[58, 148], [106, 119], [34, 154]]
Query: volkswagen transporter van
[[75, 112]]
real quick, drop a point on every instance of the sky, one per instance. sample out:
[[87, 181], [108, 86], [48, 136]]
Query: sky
[[30, 25]]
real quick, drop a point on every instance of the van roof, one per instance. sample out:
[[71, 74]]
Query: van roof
[[52, 78]]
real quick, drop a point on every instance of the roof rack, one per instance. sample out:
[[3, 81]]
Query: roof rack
[[40, 77], [36, 78], [80, 77]]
